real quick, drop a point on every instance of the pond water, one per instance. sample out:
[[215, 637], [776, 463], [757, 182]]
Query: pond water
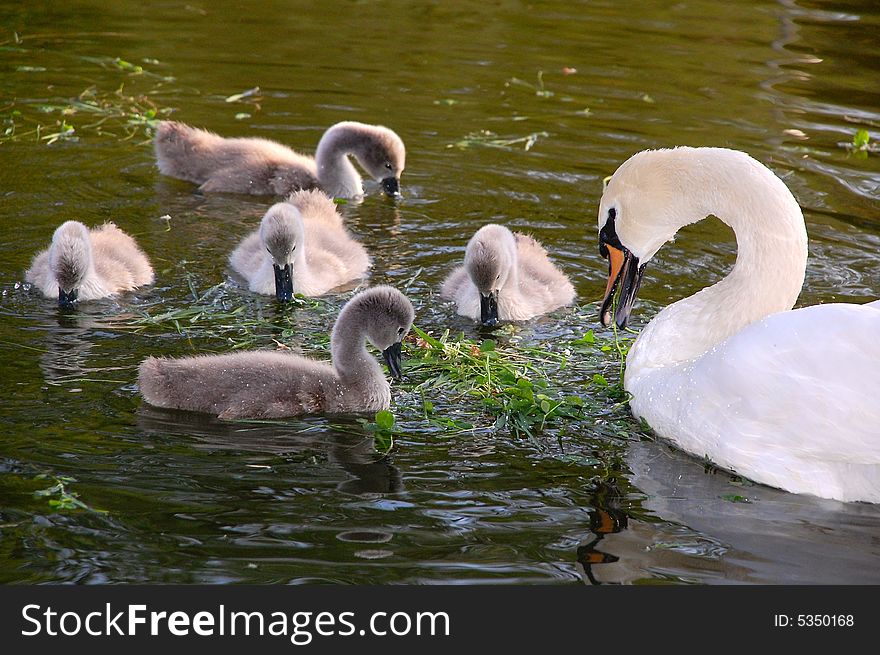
[[192, 499]]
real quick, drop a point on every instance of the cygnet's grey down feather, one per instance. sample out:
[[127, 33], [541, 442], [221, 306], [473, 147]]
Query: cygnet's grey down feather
[[88, 264], [306, 236], [263, 167], [511, 269], [266, 384]]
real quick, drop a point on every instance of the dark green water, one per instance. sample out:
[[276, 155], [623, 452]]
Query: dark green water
[[197, 500]]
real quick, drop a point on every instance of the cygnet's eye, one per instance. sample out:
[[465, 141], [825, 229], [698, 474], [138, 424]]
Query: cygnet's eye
[[294, 248], [388, 165], [268, 251], [400, 332]]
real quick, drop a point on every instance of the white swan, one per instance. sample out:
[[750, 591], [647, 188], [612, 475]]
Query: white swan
[[787, 398]]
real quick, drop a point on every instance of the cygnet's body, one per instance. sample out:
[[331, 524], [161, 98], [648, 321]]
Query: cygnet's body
[[263, 384], [83, 264], [506, 277], [263, 167], [302, 247]]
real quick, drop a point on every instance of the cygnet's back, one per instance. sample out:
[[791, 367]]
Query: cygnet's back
[[83, 264], [506, 276], [262, 167], [303, 246], [262, 384]]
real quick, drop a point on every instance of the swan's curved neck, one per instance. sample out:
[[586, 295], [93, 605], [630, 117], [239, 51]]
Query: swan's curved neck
[[766, 278], [336, 174], [351, 359]]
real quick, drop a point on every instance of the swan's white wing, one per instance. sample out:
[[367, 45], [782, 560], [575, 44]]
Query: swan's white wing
[[792, 400]]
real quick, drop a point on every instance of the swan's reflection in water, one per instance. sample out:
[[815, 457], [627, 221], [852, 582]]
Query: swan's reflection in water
[[352, 451], [714, 528], [606, 518]]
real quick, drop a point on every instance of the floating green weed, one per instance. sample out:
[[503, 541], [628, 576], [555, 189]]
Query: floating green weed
[[239, 327], [861, 144], [514, 386], [489, 139], [383, 427], [60, 497], [117, 113], [538, 88]]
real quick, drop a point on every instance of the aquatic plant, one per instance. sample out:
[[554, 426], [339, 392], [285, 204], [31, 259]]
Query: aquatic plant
[[489, 139], [540, 90], [60, 497], [114, 112], [516, 386]]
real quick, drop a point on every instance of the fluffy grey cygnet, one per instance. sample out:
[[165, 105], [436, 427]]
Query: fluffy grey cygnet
[[266, 384], [83, 264], [506, 277], [301, 246], [263, 167]]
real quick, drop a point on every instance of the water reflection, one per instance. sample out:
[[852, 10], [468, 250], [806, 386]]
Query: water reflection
[[768, 536], [353, 452], [606, 518]]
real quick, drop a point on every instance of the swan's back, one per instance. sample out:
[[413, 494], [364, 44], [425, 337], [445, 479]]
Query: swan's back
[[544, 286], [234, 165], [333, 256], [118, 258], [254, 384], [790, 400]]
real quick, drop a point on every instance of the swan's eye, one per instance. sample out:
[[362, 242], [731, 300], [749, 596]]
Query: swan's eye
[[294, 248], [612, 214]]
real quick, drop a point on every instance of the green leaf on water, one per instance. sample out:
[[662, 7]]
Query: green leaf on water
[[736, 498], [588, 339], [384, 419], [861, 139]]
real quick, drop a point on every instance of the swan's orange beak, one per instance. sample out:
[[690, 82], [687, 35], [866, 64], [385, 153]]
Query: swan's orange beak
[[623, 272]]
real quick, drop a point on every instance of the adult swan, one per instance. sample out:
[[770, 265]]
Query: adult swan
[[789, 398]]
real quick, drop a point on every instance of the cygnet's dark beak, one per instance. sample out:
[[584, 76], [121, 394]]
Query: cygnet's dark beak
[[393, 358], [489, 309], [391, 186], [283, 282], [66, 299]]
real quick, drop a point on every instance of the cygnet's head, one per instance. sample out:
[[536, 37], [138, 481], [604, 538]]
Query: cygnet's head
[[281, 233], [387, 316], [649, 198], [489, 259], [380, 151], [70, 259]]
